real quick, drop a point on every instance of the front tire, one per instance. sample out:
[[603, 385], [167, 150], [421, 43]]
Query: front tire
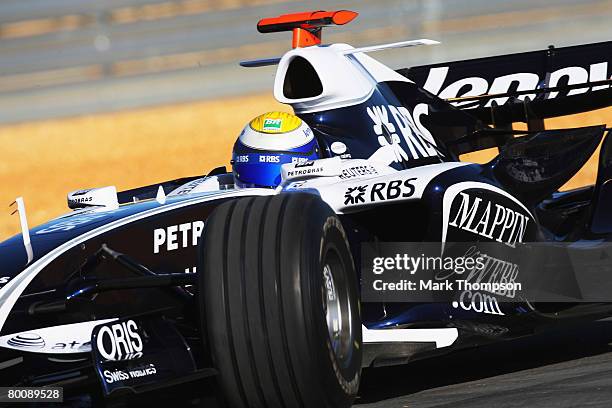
[[279, 291]]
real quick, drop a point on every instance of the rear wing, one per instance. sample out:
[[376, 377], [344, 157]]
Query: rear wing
[[526, 86]]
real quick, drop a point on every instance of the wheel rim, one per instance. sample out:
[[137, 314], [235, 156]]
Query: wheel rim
[[337, 306]]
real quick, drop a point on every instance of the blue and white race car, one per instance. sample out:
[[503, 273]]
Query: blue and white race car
[[258, 284]]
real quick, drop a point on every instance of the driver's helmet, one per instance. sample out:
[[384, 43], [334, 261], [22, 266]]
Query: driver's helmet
[[267, 142]]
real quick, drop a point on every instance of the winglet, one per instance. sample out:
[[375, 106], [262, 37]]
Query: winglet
[[401, 44], [25, 230], [306, 26]]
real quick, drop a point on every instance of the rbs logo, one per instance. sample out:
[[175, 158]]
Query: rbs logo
[[120, 341]]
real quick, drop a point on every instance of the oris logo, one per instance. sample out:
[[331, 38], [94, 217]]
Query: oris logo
[[119, 341]]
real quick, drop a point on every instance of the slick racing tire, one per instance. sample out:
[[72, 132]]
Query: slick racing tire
[[281, 312]]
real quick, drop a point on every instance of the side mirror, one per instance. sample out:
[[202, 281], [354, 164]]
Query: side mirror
[[95, 197]]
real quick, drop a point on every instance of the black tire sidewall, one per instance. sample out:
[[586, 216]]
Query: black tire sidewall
[[286, 238], [329, 235]]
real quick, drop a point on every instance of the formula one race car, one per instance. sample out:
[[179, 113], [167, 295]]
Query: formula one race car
[[258, 287]]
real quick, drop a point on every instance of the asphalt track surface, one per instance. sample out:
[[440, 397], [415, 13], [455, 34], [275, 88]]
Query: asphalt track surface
[[569, 367]]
